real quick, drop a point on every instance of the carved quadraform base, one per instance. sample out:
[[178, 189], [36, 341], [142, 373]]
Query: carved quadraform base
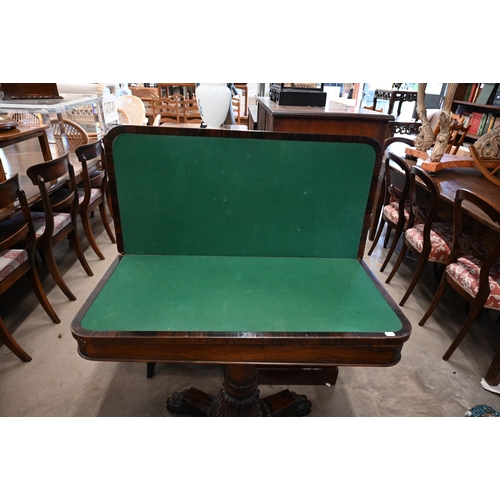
[[197, 403]]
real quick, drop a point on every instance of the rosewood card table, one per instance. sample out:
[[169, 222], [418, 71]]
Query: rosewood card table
[[242, 249]]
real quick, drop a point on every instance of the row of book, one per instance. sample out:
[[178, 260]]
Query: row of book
[[483, 93], [480, 123]]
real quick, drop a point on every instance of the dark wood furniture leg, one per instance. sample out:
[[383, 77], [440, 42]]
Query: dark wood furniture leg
[[44, 146], [150, 370], [493, 375], [239, 398]]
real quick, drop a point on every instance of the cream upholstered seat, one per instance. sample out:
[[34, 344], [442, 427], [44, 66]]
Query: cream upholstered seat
[[134, 108]]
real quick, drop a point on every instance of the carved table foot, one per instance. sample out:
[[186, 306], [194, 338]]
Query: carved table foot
[[239, 398]]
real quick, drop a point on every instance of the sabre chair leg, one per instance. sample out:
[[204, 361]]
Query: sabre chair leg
[[473, 314], [54, 271], [105, 221], [40, 295], [398, 263], [435, 301], [387, 236], [90, 236], [10, 343], [377, 236], [75, 241], [493, 375], [422, 261], [395, 240]]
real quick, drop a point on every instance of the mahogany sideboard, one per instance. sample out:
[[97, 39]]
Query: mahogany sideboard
[[334, 118]]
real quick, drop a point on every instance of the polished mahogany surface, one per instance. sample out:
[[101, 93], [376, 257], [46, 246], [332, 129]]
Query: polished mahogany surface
[[334, 118], [23, 133]]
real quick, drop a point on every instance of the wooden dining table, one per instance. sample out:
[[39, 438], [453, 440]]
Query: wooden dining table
[[23, 133], [19, 162]]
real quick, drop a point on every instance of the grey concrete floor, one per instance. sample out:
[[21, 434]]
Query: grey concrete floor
[[58, 382]]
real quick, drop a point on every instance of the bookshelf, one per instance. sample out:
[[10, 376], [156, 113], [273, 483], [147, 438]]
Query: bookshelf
[[480, 104]]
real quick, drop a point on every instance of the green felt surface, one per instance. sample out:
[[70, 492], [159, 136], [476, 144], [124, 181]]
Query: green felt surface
[[183, 195], [242, 294]]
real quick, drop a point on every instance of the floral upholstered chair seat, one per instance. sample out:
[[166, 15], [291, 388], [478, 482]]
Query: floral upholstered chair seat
[[94, 194], [441, 240], [465, 272], [391, 212], [11, 259], [60, 220]]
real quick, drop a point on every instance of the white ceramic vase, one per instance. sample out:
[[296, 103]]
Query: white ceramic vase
[[214, 100]]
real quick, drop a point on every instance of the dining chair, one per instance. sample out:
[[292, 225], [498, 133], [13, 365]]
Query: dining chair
[[25, 118], [372, 108], [94, 191], [471, 270], [430, 238], [75, 135], [236, 104], [488, 167], [56, 216], [123, 118], [456, 135], [396, 207], [134, 108], [17, 256], [190, 111], [167, 110]]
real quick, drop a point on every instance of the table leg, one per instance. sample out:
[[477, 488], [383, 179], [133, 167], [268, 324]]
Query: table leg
[[44, 146], [239, 398]]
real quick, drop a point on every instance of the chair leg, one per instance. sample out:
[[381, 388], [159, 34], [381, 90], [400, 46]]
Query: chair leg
[[40, 294], [377, 236], [10, 343], [75, 241], [422, 261], [150, 370], [435, 300], [105, 221], [473, 314], [398, 262], [54, 271], [108, 199], [493, 375], [438, 271], [90, 236], [395, 240], [387, 236]]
